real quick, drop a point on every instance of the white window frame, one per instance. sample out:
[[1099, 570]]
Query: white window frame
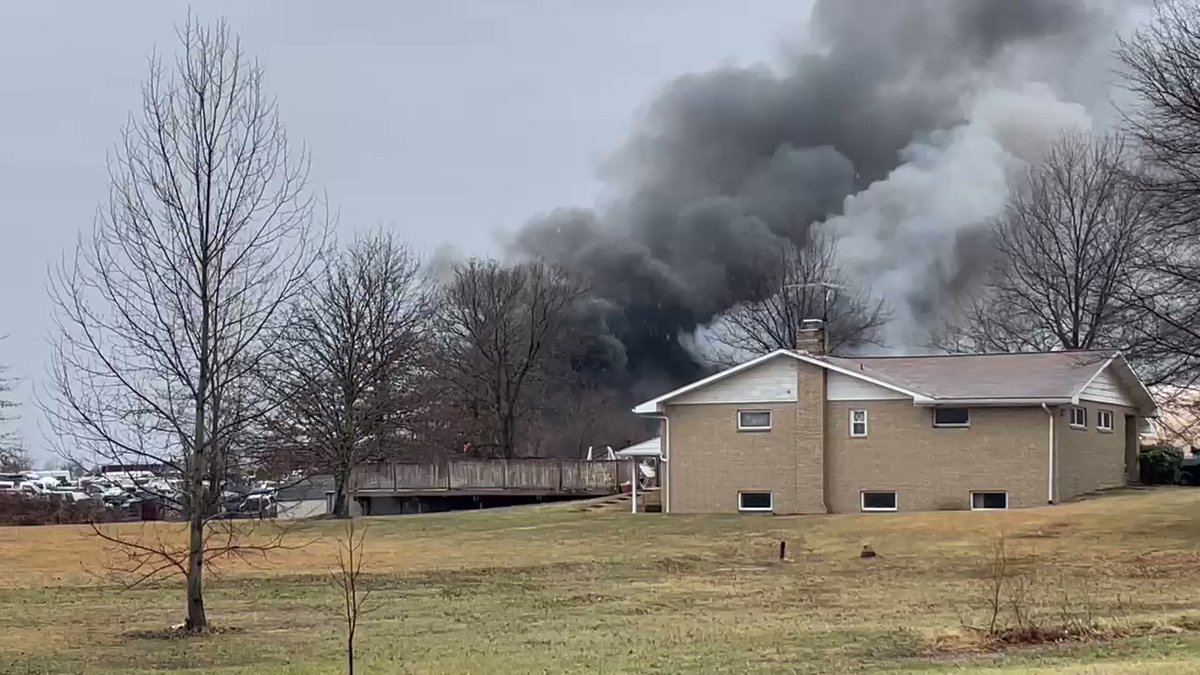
[[862, 500], [756, 509], [1071, 417], [742, 427], [1100, 415], [933, 416], [865, 423], [989, 492]]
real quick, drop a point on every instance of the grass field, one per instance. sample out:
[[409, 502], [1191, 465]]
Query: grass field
[[552, 590]]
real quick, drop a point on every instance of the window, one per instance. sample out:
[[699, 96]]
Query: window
[[878, 501], [951, 417], [754, 501], [754, 420], [1078, 417], [1104, 420], [858, 423], [989, 501]]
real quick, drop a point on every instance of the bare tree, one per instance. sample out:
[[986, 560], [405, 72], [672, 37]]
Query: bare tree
[[1067, 252], [803, 282], [503, 329], [1160, 62], [348, 580], [576, 414], [169, 309], [352, 361], [13, 456], [1159, 67]]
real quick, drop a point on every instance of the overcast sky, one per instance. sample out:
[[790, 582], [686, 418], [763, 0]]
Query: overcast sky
[[444, 121]]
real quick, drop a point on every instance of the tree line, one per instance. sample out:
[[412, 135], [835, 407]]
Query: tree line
[[210, 323]]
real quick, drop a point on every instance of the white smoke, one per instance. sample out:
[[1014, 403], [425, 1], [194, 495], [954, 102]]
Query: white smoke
[[901, 237]]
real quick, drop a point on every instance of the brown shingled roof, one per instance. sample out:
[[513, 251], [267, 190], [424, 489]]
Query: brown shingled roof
[[1048, 375]]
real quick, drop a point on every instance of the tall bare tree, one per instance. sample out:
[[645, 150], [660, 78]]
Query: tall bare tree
[[502, 330], [1160, 62], [353, 359], [1067, 254], [802, 282], [169, 309]]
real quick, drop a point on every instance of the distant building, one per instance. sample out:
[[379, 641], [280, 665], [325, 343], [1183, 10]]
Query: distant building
[[134, 469], [307, 498]]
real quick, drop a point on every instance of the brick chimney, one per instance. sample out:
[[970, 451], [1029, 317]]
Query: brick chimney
[[810, 337]]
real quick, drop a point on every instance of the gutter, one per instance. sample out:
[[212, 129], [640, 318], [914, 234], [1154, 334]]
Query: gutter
[[1050, 454], [663, 452], [982, 402]]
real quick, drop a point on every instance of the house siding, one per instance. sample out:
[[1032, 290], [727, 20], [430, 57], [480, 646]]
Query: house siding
[[1089, 459], [711, 461], [774, 381], [1106, 388], [929, 468]]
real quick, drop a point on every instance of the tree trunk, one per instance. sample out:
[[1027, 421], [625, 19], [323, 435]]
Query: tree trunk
[[508, 435], [341, 501], [196, 619]]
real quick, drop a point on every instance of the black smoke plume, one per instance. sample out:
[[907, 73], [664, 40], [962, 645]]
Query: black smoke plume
[[728, 164]]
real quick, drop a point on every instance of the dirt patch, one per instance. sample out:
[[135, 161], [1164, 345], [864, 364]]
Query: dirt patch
[[677, 564], [179, 633], [968, 640]]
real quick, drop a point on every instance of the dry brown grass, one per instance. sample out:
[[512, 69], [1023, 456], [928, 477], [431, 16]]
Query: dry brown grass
[[549, 588]]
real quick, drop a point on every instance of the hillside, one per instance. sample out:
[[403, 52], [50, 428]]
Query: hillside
[[552, 589]]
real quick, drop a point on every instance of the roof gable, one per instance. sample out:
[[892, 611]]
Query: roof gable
[[1117, 383], [772, 381], [655, 405], [959, 379]]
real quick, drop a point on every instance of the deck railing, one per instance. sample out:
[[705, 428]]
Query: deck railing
[[548, 476]]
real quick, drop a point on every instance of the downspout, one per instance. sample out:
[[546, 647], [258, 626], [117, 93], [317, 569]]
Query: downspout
[[1050, 454], [664, 457]]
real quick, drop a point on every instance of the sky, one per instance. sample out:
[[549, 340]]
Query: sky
[[448, 122]]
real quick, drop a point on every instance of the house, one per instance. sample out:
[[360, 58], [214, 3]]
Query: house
[[798, 431], [307, 498], [1178, 424]]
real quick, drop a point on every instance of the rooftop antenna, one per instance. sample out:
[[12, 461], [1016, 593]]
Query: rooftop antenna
[[806, 323]]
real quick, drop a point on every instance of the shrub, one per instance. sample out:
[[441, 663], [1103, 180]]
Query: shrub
[[1160, 464], [18, 509]]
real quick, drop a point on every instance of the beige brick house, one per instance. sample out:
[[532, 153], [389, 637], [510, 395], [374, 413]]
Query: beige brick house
[[800, 432]]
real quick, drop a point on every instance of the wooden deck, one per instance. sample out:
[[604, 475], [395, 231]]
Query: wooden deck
[[517, 477]]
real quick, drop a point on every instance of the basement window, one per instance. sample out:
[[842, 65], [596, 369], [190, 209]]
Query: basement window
[[858, 423], [989, 501], [754, 420], [951, 417], [878, 501], [1104, 420], [1078, 417], [755, 501]]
